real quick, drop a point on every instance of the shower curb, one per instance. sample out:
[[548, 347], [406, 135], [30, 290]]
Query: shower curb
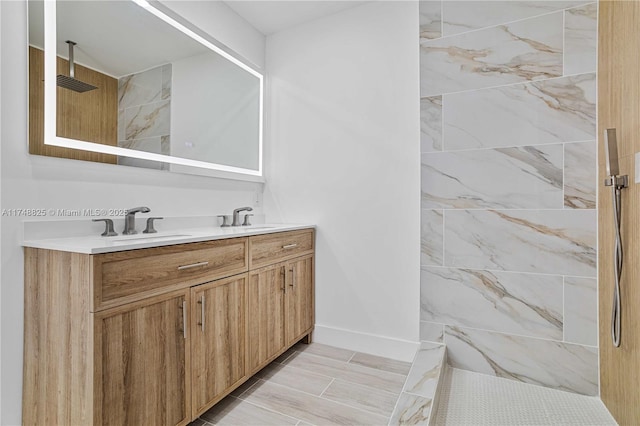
[[419, 397]]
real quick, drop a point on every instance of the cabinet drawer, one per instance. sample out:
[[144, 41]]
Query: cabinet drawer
[[272, 248], [130, 275]]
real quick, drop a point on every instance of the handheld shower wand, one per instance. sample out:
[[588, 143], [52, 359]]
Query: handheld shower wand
[[617, 184]]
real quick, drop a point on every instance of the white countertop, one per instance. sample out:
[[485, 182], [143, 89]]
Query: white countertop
[[98, 244]]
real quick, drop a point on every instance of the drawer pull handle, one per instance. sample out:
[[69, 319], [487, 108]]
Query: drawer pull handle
[[193, 265], [290, 246]]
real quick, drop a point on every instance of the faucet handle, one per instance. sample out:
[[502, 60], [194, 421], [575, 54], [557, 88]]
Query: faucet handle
[[246, 220], [108, 230], [225, 220], [150, 229]]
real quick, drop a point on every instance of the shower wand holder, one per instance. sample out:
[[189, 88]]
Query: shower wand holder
[[617, 181]]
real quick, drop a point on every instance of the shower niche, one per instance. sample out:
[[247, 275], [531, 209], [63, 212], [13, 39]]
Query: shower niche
[[135, 84]]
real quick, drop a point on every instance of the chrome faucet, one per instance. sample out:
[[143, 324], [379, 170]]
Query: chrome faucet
[[236, 215], [130, 220]]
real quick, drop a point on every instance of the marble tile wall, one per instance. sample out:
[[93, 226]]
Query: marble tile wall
[[144, 114], [508, 187]]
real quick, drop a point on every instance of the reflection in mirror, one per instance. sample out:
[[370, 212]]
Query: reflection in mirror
[[157, 91]]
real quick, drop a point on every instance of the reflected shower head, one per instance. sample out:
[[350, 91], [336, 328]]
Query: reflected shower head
[[70, 82]]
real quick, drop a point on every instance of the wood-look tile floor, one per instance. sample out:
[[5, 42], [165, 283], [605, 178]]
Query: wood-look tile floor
[[315, 385]]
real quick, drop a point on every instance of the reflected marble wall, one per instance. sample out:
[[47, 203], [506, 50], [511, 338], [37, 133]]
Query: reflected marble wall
[[144, 115], [508, 153]]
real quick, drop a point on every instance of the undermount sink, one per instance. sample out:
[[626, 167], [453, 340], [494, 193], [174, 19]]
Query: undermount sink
[[149, 238], [253, 228]]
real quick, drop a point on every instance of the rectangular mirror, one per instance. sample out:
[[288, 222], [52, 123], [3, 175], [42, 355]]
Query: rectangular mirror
[[131, 83]]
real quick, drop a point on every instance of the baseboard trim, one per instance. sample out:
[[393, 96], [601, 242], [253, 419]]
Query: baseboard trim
[[403, 350]]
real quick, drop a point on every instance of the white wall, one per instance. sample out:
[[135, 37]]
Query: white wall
[[343, 134], [40, 182], [214, 111]]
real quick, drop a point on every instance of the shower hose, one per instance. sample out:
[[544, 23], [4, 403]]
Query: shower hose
[[617, 263]]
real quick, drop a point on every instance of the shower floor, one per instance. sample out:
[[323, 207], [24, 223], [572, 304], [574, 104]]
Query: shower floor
[[467, 398]]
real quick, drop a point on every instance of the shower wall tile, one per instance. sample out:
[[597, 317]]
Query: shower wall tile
[[431, 239], [558, 365], [521, 177], [508, 188], [430, 19], [153, 144], [580, 175], [581, 310], [166, 81], [431, 124], [147, 120], [141, 88], [551, 111], [581, 39], [560, 242], [431, 332], [520, 51], [524, 304], [462, 16], [165, 145]]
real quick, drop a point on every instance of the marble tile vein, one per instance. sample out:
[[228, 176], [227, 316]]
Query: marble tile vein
[[462, 16], [559, 242], [431, 242], [430, 18], [431, 332], [581, 39], [411, 410], [521, 51], [147, 120], [548, 363], [580, 173], [521, 177], [425, 370], [542, 112], [431, 124], [581, 310], [524, 304], [140, 88]]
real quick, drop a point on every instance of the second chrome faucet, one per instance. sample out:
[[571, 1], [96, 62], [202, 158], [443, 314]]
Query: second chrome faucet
[[236, 217], [130, 219]]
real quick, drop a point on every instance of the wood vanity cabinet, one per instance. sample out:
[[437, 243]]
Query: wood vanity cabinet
[[281, 309], [218, 340], [141, 360], [159, 335]]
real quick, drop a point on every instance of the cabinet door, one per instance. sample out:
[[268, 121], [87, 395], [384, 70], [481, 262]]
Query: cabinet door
[[142, 357], [217, 339], [299, 298], [266, 314]]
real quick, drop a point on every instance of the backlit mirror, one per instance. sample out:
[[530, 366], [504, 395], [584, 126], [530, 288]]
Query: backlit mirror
[[131, 83]]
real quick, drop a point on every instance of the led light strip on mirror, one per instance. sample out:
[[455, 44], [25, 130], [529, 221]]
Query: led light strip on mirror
[[50, 101]]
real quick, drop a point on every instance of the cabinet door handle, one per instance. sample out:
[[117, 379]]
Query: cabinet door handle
[[293, 276], [290, 246], [201, 303], [193, 265], [184, 318], [283, 273]]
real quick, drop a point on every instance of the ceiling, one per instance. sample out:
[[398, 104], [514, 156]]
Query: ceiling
[[269, 17], [115, 37]]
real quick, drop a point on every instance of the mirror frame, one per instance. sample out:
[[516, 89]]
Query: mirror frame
[[50, 131]]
